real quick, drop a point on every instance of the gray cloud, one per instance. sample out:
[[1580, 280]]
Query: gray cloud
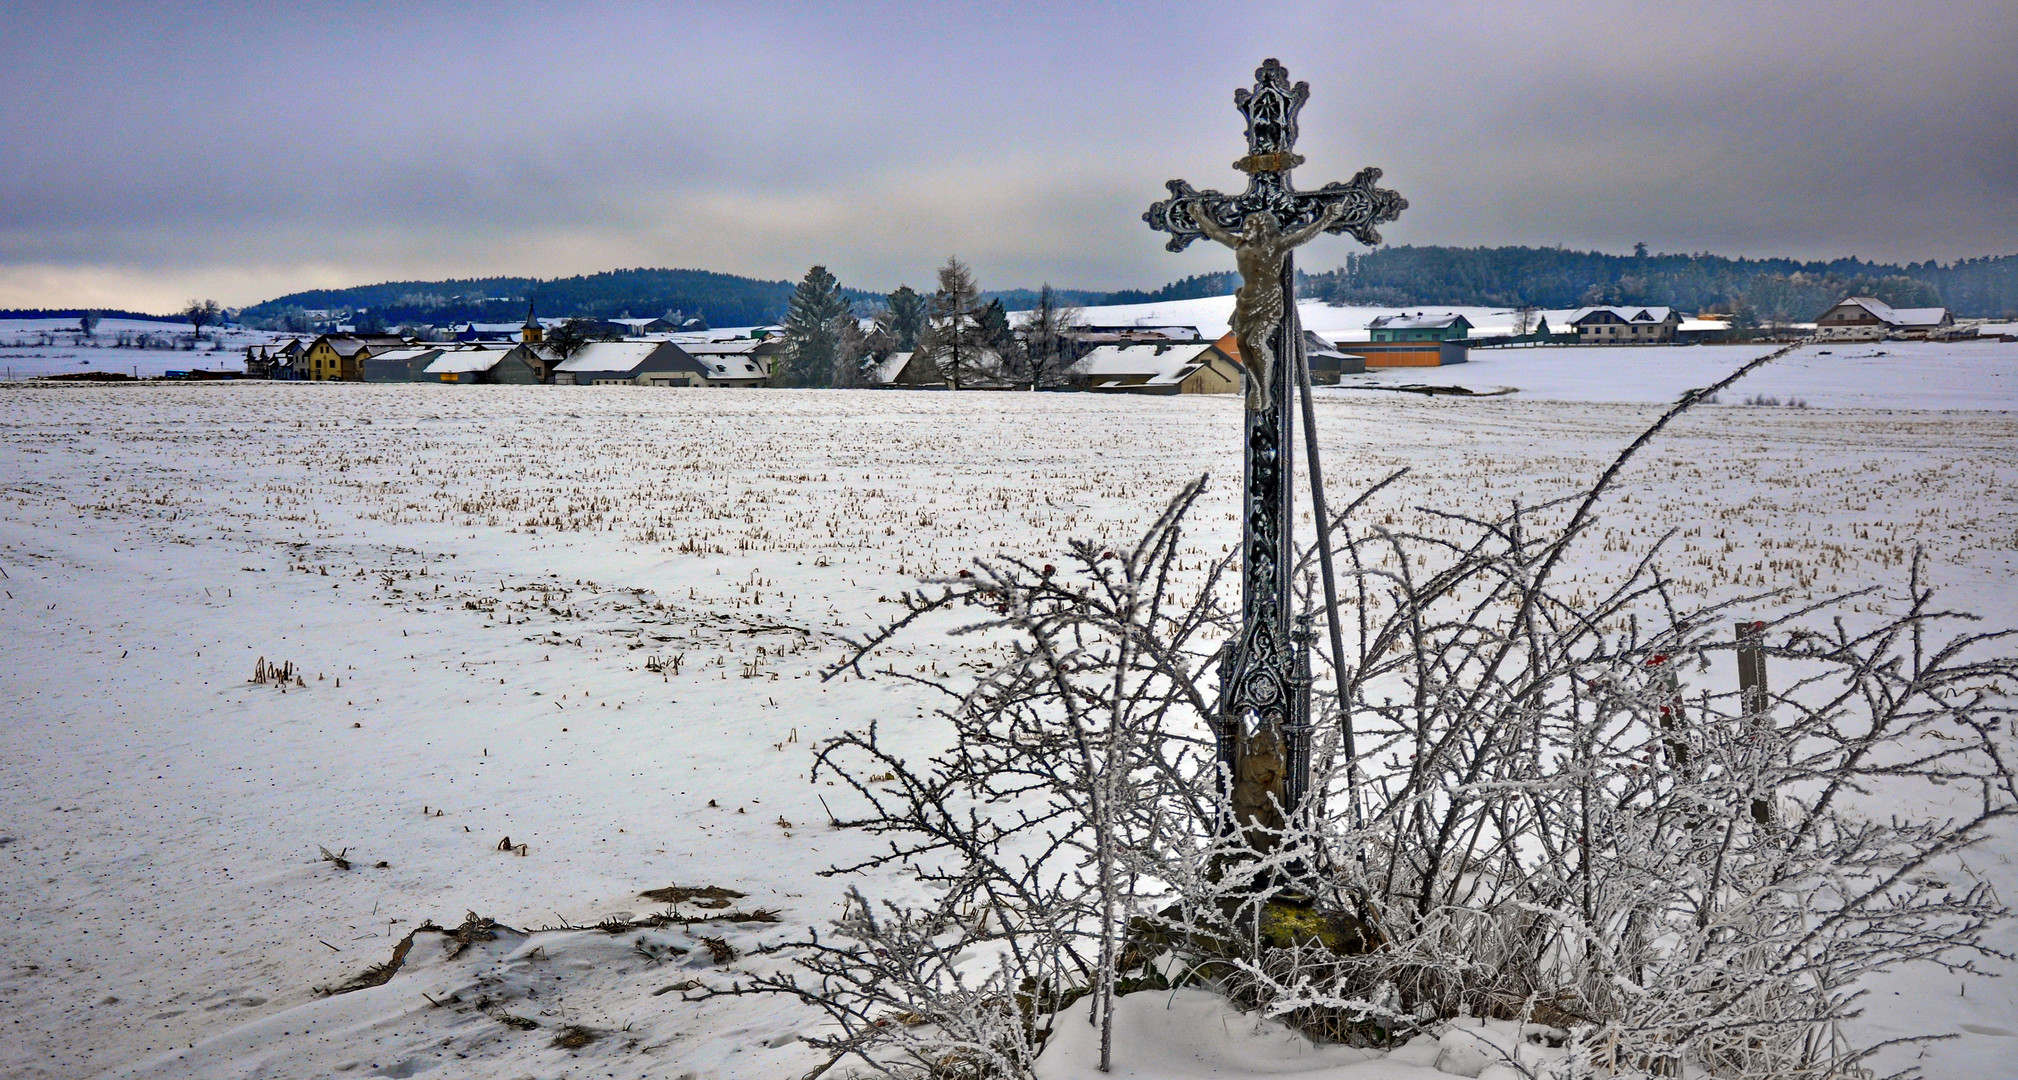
[[247, 150]]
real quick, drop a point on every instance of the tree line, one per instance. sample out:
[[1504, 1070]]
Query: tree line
[[1765, 290], [1762, 290], [720, 299], [964, 336]]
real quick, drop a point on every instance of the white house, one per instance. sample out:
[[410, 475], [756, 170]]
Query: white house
[[1624, 325], [1863, 318]]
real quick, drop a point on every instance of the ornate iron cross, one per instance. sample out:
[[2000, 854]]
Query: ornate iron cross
[[1263, 731]]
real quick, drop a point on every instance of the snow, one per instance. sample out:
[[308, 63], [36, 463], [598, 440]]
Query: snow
[[32, 347], [609, 356], [1340, 324], [500, 566], [1193, 1034], [1624, 313], [1162, 362], [457, 361], [887, 370], [1881, 375], [1892, 316]]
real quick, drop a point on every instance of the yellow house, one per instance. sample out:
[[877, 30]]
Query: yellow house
[[341, 357]]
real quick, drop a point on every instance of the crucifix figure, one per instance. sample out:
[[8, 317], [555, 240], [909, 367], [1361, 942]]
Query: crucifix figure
[[1263, 729], [1259, 250]]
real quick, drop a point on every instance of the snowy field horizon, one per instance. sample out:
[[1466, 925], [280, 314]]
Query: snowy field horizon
[[592, 621], [1973, 375]]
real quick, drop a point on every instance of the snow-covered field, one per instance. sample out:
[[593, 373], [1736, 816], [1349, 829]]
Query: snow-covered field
[[30, 348], [478, 584]]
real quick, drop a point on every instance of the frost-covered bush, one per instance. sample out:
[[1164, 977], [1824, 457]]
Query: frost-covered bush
[[1562, 811]]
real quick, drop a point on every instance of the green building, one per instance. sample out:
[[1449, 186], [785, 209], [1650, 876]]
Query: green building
[[1419, 327]]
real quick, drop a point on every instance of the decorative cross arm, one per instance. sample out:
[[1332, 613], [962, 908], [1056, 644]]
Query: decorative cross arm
[[1270, 108]]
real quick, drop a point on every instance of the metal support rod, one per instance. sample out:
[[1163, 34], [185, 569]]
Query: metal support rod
[[1332, 616], [1297, 780]]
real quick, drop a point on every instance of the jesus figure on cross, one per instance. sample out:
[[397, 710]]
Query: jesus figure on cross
[[1258, 250]]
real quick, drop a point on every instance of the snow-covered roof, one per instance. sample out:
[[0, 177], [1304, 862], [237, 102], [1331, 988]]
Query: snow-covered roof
[[1417, 321], [459, 361], [737, 347], [1625, 313], [1886, 313], [891, 366], [609, 356], [1704, 324], [347, 345], [732, 367], [406, 354], [1161, 363]]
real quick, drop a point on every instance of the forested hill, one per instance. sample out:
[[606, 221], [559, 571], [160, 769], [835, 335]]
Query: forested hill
[[721, 299], [1768, 289]]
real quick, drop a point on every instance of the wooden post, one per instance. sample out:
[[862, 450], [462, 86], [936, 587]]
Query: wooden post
[[1753, 703]]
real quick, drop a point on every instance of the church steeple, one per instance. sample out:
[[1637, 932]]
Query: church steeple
[[532, 333]]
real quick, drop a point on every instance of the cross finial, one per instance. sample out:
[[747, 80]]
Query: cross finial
[[1270, 108]]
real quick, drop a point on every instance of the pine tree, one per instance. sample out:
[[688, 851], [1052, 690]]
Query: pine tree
[[903, 317], [953, 343], [810, 338]]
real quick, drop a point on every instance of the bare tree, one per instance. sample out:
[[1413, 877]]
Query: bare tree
[[568, 338], [87, 324], [200, 313]]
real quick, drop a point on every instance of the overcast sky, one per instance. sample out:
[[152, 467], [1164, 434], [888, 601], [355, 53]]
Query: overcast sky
[[154, 152]]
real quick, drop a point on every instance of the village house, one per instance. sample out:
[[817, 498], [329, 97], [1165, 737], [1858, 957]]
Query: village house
[[736, 361], [1625, 325], [654, 363], [1328, 361], [1418, 327], [905, 370], [628, 363], [1189, 368], [274, 359], [341, 357], [473, 366], [401, 365], [1863, 318]]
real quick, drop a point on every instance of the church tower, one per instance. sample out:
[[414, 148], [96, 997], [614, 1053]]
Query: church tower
[[532, 333]]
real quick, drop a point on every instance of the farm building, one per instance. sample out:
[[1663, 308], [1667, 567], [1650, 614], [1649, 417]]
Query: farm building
[[1191, 368], [401, 365], [1418, 327], [1862, 318], [523, 365], [629, 363], [1625, 325]]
